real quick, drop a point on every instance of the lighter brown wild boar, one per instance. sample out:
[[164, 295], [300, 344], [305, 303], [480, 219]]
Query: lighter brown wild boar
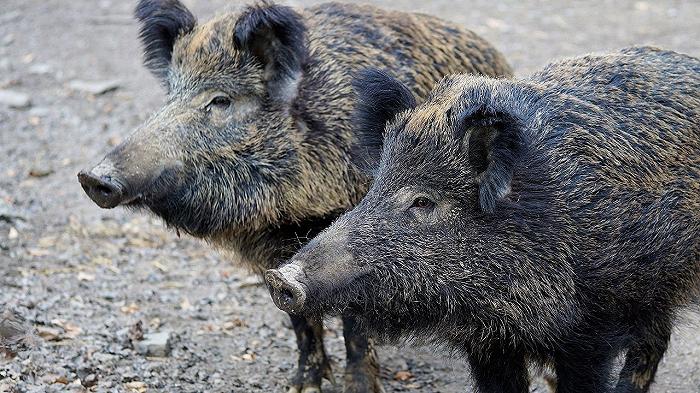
[[251, 149]]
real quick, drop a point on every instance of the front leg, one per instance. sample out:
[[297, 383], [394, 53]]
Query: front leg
[[584, 371], [362, 366], [313, 362], [499, 371]]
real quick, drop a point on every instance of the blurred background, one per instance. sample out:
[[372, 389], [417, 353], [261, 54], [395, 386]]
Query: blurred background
[[93, 282]]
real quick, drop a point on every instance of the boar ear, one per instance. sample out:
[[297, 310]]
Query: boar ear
[[380, 97], [275, 36], [162, 21], [494, 143]]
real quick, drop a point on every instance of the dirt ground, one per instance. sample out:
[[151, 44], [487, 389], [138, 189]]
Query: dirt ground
[[84, 277]]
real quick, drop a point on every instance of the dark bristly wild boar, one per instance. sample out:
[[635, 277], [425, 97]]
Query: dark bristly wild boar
[[553, 220], [251, 149]]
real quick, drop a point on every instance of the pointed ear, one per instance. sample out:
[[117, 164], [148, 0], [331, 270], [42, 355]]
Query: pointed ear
[[495, 143], [275, 36], [162, 21], [380, 97]]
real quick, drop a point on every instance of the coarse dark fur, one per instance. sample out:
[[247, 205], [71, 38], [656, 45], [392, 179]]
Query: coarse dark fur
[[552, 220], [251, 150]]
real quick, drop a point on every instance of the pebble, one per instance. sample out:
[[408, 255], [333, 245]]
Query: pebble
[[154, 344], [94, 87], [14, 99], [39, 69]]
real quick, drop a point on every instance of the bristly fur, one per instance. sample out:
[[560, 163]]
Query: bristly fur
[[380, 97], [587, 244], [162, 21]]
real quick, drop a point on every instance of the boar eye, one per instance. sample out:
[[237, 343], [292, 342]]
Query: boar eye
[[220, 102], [422, 203]]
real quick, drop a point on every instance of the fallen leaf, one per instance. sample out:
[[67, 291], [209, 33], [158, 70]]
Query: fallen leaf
[[234, 323], [136, 386], [49, 333], [130, 309], [403, 376]]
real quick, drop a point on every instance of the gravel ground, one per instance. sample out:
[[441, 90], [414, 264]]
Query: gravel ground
[[92, 282]]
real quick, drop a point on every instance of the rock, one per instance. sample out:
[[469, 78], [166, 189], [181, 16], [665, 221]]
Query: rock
[[14, 99], [154, 344], [40, 171], [89, 381], [14, 333], [94, 87], [135, 332], [10, 214], [39, 111], [39, 69]]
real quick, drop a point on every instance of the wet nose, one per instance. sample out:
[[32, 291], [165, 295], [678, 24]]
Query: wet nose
[[105, 191], [287, 293]]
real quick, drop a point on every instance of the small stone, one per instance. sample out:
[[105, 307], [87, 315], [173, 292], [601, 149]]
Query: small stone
[[40, 171], [135, 332], [89, 381], [39, 69], [8, 39], [154, 344], [14, 99], [94, 87], [39, 111]]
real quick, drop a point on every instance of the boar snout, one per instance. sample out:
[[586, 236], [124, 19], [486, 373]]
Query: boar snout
[[102, 187], [287, 292]]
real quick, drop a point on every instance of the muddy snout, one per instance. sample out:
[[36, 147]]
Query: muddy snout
[[102, 187], [287, 292]]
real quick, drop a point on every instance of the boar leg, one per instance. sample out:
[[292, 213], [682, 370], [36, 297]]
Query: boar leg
[[643, 359], [313, 362], [498, 371], [586, 371], [362, 367]]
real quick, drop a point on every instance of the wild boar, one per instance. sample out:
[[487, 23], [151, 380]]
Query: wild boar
[[552, 220], [251, 149]]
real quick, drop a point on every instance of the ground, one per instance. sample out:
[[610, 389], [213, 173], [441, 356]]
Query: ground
[[83, 278]]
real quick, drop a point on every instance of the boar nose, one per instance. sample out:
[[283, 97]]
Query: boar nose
[[105, 191], [286, 291]]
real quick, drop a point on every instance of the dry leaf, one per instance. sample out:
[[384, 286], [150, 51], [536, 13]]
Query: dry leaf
[[137, 386], [403, 376], [160, 266], [49, 333], [130, 309], [38, 252], [234, 323]]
